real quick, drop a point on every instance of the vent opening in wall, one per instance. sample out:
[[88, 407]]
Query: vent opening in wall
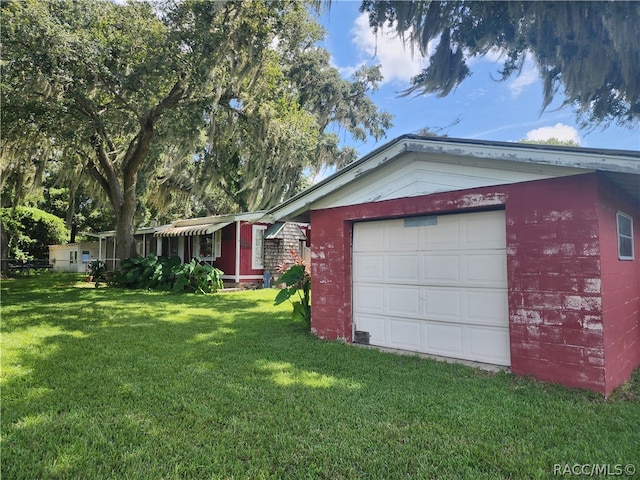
[[361, 336]]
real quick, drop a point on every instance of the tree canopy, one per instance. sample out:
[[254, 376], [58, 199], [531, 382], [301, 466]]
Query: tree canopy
[[204, 100], [587, 51], [29, 232]]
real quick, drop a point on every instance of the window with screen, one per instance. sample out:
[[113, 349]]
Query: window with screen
[[625, 236]]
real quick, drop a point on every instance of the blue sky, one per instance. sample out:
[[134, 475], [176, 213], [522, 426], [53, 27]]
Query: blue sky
[[484, 108]]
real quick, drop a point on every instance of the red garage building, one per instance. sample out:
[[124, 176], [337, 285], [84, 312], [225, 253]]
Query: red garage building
[[512, 254]]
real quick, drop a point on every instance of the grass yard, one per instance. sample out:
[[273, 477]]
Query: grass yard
[[104, 383]]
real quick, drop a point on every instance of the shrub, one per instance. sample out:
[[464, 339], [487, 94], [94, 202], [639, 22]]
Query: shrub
[[197, 277], [30, 231], [297, 280], [150, 272], [160, 273], [97, 269]]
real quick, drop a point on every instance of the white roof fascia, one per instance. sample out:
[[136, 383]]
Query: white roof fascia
[[232, 217], [589, 159]]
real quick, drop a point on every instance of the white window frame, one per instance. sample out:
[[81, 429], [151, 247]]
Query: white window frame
[[257, 251], [620, 235], [216, 246]]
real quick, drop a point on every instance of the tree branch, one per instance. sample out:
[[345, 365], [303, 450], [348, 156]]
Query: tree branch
[[86, 108]]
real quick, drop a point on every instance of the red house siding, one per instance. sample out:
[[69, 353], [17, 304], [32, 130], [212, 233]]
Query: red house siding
[[227, 260], [560, 310], [620, 290]]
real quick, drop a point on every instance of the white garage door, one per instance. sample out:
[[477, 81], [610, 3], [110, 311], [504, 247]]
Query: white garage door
[[435, 284]]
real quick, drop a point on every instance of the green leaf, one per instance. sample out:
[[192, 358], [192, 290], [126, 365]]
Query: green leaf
[[293, 275], [283, 296]]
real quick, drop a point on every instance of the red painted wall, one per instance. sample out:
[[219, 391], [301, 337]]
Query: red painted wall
[[227, 262], [246, 244], [553, 267], [559, 307], [620, 289]]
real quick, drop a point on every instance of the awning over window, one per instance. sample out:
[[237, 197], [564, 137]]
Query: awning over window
[[273, 231], [191, 230]]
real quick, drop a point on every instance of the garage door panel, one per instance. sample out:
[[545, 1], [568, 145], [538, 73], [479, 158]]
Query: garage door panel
[[487, 307], [486, 269], [440, 269], [402, 268], [403, 301], [404, 334], [445, 235], [368, 267], [367, 237], [399, 238], [443, 304], [368, 298], [436, 286], [376, 326], [445, 339], [490, 345], [485, 230]]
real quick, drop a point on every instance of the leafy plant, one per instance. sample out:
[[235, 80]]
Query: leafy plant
[[298, 282], [97, 269], [150, 272], [160, 273], [197, 277]]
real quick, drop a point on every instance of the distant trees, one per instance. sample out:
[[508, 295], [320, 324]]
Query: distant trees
[[181, 100], [552, 141], [586, 51], [29, 231]]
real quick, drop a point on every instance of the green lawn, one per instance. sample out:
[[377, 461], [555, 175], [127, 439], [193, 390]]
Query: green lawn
[[104, 383]]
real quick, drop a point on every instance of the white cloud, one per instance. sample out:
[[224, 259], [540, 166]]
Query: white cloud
[[387, 49], [559, 131], [494, 55], [527, 77]]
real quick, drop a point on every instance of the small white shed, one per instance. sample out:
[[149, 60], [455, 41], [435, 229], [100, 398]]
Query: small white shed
[[73, 257]]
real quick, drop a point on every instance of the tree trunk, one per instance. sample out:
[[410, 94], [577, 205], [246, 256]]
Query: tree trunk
[[4, 248], [125, 241], [120, 186]]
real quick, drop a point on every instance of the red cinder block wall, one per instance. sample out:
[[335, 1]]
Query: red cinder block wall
[[331, 276], [553, 266], [620, 289]]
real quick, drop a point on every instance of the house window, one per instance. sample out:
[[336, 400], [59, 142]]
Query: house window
[[211, 246], [86, 256], [73, 257], [625, 236], [257, 249]]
